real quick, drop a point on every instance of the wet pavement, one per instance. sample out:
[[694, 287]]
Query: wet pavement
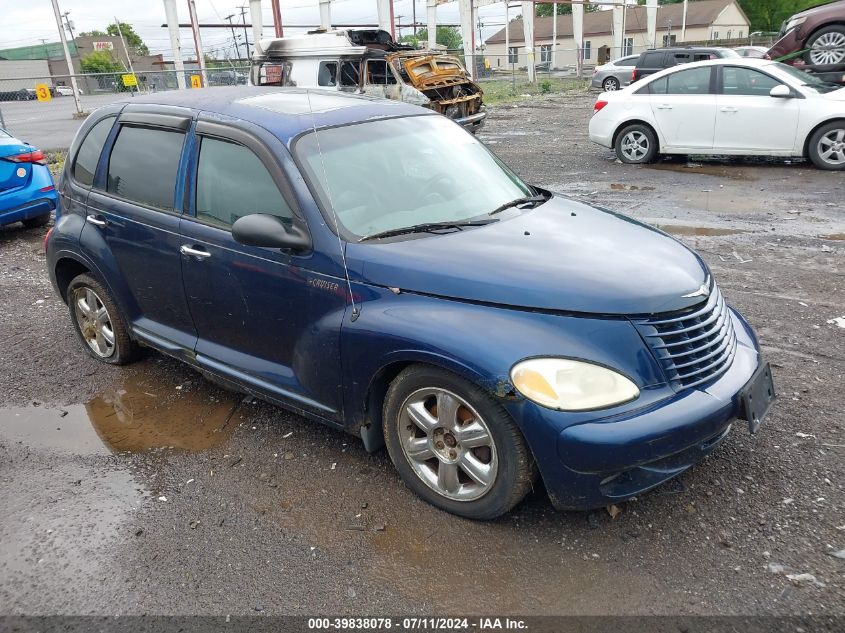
[[147, 489]]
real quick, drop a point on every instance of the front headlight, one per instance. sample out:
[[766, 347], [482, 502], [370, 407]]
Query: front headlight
[[793, 23], [571, 385]]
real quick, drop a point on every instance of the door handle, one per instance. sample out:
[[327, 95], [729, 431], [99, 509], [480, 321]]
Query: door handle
[[664, 106], [728, 109], [194, 252], [93, 219]]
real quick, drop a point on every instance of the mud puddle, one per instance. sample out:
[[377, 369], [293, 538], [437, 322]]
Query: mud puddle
[[732, 172], [834, 236], [698, 231], [143, 413]]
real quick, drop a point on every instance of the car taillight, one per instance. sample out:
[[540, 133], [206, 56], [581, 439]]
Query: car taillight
[[47, 237], [35, 156], [633, 75], [599, 105]]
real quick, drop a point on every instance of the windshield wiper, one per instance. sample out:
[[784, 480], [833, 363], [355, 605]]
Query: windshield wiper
[[426, 227], [517, 202]]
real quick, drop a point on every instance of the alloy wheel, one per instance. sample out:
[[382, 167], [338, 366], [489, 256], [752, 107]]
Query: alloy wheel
[[634, 145], [94, 321], [829, 48], [831, 147], [611, 85], [448, 444]]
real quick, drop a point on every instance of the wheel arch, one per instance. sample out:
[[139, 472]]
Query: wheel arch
[[806, 149], [66, 269], [373, 406], [835, 22], [625, 124]]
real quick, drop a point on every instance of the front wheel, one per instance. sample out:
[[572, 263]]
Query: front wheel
[[826, 148], [454, 445], [636, 145]]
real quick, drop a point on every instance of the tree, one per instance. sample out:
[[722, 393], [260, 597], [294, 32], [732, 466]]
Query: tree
[[94, 33], [100, 62], [548, 10], [133, 41], [768, 15], [447, 36]]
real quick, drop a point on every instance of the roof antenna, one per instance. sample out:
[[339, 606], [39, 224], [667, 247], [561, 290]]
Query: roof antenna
[[355, 311]]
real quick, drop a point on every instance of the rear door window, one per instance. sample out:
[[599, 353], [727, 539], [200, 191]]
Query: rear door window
[[652, 60], [233, 182], [89, 152], [144, 165], [349, 74], [695, 81], [679, 58], [327, 74]]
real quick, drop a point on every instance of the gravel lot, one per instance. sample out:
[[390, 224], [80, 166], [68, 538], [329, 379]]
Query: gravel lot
[[146, 489]]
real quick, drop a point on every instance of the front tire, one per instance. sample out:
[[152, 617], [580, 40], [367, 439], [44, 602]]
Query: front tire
[[636, 145], [97, 321], [454, 445], [826, 148], [34, 223], [826, 46]]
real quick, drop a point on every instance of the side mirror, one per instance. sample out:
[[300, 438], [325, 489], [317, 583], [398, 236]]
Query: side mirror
[[781, 92], [262, 229]]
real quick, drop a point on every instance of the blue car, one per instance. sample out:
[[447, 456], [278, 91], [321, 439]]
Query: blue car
[[372, 266], [27, 192]]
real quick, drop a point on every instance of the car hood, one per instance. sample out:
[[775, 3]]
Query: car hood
[[836, 95], [828, 7], [561, 256]]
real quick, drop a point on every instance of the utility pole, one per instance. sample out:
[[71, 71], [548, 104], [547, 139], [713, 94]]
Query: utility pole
[[192, 12], [69, 26], [414, 5], [246, 36], [126, 52], [234, 39], [277, 17], [553, 63], [176, 47], [67, 56]]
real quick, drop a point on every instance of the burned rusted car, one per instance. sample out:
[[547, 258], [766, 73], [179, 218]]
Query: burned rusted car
[[369, 61]]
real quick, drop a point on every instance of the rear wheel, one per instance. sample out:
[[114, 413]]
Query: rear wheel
[[826, 46], [611, 84], [40, 220], [826, 148], [98, 322], [636, 145], [454, 445]]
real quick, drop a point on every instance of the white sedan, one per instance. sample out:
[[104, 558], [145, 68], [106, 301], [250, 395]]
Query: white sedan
[[724, 106]]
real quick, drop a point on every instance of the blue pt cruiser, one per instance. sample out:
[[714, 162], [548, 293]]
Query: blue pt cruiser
[[371, 265]]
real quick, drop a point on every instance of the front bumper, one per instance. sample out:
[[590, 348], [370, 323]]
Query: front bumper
[[605, 460], [791, 42], [474, 122]]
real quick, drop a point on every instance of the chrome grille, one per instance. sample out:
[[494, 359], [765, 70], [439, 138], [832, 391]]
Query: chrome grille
[[695, 345]]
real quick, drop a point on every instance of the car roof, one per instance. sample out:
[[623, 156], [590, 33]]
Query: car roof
[[751, 62], [286, 112]]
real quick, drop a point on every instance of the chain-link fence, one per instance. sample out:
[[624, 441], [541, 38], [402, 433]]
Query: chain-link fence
[[92, 84]]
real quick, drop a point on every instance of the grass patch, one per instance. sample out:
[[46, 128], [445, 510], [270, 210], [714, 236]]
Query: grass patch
[[55, 161], [507, 91]]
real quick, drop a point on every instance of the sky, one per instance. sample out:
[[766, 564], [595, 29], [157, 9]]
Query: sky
[[26, 22]]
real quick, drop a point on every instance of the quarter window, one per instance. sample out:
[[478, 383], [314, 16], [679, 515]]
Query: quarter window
[[144, 165], [89, 152], [232, 182], [745, 81], [695, 81]]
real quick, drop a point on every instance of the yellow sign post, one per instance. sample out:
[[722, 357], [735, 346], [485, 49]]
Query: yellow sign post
[[129, 80], [42, 91], [196, 81]]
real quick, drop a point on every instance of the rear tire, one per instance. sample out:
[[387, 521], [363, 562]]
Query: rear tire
[[829, 41], [611, 84], [34, 223], [826, 148], [98, 323], [636, 145], [454, 445]]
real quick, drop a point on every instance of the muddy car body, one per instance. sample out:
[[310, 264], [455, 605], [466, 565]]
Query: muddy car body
[[372, 63]]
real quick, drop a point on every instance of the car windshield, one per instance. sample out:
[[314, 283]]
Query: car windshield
[[396, 173], [807, 80]]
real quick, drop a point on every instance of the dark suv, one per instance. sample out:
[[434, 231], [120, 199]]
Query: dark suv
[[655, 60]]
